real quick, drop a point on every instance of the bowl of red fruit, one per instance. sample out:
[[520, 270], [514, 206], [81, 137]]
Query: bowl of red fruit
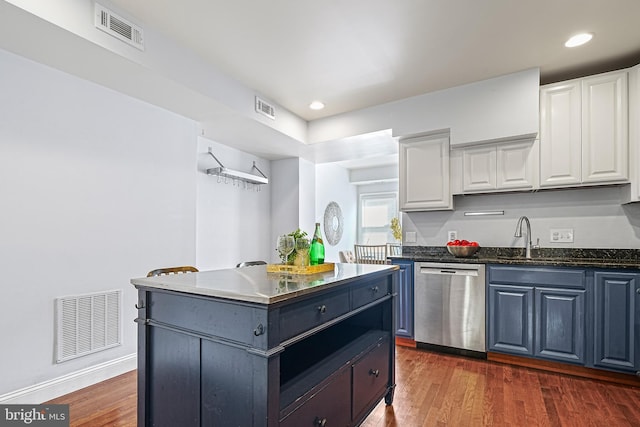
[[462, 248]]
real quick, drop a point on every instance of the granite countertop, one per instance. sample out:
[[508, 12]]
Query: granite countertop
[[255, 284], [572, 257]]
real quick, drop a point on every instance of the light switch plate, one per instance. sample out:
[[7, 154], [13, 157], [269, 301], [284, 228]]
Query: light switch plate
[[561, 235], [410, 237]]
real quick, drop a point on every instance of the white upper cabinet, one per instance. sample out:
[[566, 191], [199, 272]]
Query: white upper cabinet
[[560, 140], [499, 167], [479, 168], [634, 133], [424, 173], [605, 140], [583, 131]]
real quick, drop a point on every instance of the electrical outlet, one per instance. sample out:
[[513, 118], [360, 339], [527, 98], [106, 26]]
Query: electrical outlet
[[561, 235], [452, 235], [410, 237]]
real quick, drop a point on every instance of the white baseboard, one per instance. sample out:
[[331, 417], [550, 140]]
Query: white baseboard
[[65, 384]]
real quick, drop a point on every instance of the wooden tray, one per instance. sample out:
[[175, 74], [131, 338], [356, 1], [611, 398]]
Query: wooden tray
[[297, 269]]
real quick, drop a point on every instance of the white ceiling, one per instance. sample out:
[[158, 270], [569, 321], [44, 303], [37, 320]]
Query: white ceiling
[[350, 54], [358, 53]]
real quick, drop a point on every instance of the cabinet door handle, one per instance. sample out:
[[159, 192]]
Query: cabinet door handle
[[638, 291], [322, 308], [375, 289], [320, 422], [374, 372]]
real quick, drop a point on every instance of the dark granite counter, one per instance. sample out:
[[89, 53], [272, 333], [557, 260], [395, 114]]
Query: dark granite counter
[[573, 257]]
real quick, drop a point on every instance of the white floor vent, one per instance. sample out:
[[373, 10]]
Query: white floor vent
[[118, 27], [86, 324]]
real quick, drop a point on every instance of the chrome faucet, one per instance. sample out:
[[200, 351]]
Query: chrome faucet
[[518, 233]]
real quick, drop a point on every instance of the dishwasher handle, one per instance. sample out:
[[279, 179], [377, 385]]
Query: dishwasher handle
[[449, 271]]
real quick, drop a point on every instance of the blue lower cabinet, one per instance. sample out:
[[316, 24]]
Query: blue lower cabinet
[[617, 321], [404, 299], [560, 325], [538, 311], [511, 319]]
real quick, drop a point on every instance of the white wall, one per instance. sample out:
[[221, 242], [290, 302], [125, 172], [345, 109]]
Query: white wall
[[595, 214], [96, 188], [293, 198], [332, 185], [233, 220]]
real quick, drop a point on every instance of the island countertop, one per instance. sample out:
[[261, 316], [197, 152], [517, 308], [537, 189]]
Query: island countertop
[[255, 284]]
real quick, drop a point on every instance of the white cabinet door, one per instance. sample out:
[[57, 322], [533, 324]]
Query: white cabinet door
[[634, 131], [560, 138], [516, 166], [604, 128], [424, 174], [479, 168]]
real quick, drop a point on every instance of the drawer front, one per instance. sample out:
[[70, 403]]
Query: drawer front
[[299, 317], [557, 277], [364, 294], [330, 406], [370, 377]]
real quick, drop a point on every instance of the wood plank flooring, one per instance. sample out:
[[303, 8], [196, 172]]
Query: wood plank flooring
[[432, 389]]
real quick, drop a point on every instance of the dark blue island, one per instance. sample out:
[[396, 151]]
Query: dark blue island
[[244, 347]]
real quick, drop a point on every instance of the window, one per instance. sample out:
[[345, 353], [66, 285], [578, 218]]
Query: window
[[376, 211]]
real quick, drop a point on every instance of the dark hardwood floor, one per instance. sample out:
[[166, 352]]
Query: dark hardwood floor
[[433, 390]]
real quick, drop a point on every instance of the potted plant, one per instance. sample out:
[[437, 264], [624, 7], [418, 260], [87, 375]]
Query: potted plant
[[291, 259]]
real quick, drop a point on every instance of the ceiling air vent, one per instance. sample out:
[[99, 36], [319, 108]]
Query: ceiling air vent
[[118, 27], [265, 109]]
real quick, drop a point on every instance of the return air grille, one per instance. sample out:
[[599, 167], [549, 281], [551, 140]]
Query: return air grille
[[118, 27], [265, 109], [86, 324]]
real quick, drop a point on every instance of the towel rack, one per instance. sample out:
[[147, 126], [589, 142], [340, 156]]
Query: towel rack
[[225, 172]]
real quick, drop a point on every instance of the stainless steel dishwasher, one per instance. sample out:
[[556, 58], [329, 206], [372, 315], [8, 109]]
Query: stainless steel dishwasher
[[450, 307]]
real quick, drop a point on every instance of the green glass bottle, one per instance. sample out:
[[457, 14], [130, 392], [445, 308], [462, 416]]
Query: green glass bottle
[[316, 254]]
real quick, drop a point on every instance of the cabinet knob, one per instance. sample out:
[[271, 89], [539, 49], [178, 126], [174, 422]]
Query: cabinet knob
[[638, 291], [322, 308], [374, 372], [320, 422]]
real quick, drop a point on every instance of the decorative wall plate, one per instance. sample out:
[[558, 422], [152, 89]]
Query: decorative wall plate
[[333, 223]]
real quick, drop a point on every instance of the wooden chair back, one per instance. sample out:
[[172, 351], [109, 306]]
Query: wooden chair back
[[172, 270], [250, 263], [394, 249], [370, 254]]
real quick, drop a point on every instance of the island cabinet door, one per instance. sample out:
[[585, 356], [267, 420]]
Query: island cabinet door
[[511, 319], [560, 324], [616, 331]]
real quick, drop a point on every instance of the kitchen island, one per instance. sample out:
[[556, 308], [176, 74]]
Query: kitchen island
[[243, 347]]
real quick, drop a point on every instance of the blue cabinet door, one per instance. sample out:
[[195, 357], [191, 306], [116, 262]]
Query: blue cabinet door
[[511, 319], [616, 319], [404, 300], [560, 325]]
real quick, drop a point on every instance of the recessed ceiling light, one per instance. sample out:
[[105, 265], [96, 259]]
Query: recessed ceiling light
[[316, 105], [578, 39]]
